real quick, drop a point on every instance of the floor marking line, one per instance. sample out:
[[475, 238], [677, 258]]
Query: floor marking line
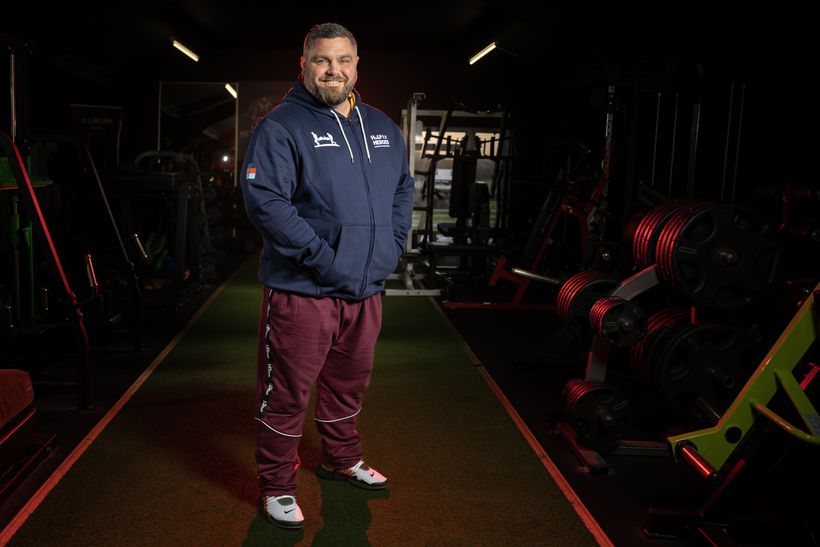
[[573, 498], [26, 511]]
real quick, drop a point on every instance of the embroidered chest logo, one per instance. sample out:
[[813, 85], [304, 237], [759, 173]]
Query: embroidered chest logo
[[250, 173], [323, 140], [380, 141]]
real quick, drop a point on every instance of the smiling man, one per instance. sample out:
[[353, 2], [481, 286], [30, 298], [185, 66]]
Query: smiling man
[[326, 184], [329, 71]]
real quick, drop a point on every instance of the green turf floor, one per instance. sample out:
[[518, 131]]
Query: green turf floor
[[175, 467]]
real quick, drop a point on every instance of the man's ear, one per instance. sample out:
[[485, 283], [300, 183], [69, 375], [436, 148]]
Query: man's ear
[[302, 62]]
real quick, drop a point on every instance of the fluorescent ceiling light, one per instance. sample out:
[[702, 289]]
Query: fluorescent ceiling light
[[231, 90], [483, 52], [180, 46]]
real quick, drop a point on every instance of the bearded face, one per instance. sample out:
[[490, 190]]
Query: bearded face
[[329, 70]]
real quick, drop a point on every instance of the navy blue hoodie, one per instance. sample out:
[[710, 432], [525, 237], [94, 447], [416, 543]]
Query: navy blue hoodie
[[331, 196]]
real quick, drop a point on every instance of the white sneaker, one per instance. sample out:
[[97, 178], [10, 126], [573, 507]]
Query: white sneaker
[[283, 511], [359, 475]]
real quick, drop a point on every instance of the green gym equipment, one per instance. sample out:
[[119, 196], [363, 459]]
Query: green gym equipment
[[752, 429], [709, 449]]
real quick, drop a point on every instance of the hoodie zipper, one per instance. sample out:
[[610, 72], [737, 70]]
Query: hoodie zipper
[[350, 122]]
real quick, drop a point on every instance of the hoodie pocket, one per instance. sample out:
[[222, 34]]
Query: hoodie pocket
[[384, 260], [345, 276]]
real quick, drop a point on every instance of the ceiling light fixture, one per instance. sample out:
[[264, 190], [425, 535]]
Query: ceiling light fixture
[[483, 52], [490, 48], [231, 90], [184, 49]]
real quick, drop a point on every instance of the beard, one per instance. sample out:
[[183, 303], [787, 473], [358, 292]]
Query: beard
[[329, 96]]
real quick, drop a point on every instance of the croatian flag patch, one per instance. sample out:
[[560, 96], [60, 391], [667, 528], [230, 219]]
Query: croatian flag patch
[[250, 173]]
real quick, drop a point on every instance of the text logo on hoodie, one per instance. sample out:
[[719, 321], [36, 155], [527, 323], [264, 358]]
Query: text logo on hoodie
[[380, 141], [325, 140]]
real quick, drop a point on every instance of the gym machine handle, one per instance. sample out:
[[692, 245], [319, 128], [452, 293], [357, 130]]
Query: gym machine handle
[[688, 452], [92, 277], [538, 277], [143, 256]]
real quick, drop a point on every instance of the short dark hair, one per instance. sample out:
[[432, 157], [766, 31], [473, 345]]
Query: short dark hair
[[327, 30]]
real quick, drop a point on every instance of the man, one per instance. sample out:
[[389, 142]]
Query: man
[[326, 183]]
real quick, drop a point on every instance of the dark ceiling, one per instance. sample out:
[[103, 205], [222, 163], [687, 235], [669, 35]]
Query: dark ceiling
[[420, 45], [124, 34]]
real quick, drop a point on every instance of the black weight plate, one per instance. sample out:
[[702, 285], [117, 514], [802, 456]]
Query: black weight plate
[[620, 322], [576, 297], [724, 257], [707, 361], [599, 413]]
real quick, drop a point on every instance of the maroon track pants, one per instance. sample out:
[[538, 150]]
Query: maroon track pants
[[305, 341]]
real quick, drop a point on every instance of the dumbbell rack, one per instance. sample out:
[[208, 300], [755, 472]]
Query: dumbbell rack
[[718, 256], [595, 375]]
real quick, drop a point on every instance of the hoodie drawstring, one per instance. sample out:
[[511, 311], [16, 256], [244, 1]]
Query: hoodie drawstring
[[343, 134], [364, 137]]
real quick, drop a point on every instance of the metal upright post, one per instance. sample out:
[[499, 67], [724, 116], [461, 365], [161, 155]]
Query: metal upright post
[[737, 144], [694, 133], [655, 142], [674, 143], [12, 96], [729, 118]]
